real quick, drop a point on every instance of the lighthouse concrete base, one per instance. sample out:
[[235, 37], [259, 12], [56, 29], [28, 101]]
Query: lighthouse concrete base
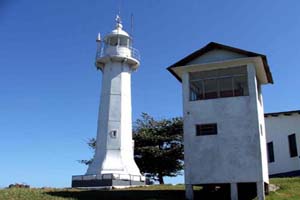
[[107, 181]]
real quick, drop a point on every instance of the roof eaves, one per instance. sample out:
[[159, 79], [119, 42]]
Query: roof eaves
[[286, 113], [214, 45]]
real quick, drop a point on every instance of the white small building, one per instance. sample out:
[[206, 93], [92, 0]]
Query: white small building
[[224, 128], [283, 143]]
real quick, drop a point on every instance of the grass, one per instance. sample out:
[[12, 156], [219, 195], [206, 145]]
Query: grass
[[289, 190], [28, 194]]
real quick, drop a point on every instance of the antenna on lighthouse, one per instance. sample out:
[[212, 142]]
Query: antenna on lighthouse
[[119, 7], [131, 25]]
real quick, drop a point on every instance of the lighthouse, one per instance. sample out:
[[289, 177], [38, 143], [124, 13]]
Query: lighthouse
[[113, 164]]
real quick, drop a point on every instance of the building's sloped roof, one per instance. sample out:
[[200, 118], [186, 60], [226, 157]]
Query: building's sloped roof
[[286, 113], [212, 46]]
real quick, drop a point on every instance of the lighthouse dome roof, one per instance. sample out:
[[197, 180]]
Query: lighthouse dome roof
[[118, 31]]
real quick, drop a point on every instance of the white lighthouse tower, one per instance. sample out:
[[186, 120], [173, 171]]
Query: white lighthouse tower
[[113, 163]]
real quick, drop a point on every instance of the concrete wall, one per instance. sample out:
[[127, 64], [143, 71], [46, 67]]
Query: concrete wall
[[278, 128], [114, 154], [262, 130], [238, 152], [214, 56]]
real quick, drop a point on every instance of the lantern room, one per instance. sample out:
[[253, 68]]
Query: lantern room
[[116, 46]]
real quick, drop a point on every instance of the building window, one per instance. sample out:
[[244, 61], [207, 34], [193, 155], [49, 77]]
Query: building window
[[271, 157], [206, 129], [293, 145], [220, 83]]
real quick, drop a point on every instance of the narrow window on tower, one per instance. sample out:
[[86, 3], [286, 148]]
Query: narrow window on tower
[[293, 145], [206, 129], [113, 133], [271, 157]]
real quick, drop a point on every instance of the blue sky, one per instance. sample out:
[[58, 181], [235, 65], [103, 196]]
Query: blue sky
[[50, 88]]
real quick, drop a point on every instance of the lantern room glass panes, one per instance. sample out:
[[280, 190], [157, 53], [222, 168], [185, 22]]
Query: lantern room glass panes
[[124, 42], [119, 41], [113, 41], [220, 83]]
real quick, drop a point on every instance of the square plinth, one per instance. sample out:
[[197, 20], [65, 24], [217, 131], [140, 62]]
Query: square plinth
[[107, 181]]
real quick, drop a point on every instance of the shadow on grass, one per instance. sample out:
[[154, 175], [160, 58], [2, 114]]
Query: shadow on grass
[[121, 194], [138, 195]]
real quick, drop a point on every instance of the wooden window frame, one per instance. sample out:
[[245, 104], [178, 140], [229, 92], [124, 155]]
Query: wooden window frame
[[206, 129]]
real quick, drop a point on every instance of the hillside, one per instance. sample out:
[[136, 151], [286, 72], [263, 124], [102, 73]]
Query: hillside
[[289, 189]]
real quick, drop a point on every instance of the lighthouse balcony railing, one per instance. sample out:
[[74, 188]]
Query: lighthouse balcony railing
[[118, 51]]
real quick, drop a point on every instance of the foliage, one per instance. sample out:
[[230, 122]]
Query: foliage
[[19, 185], [159, 146], [92, 144]]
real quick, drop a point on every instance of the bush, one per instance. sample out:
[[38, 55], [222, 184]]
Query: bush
[[18, 185]]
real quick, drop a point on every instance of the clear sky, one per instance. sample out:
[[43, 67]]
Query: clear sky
[[50, 88]]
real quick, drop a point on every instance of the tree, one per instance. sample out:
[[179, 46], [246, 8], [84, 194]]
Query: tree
[[92, 144], [158, 146], [158, 149]]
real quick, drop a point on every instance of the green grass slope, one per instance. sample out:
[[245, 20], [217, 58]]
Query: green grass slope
[[289, 190]]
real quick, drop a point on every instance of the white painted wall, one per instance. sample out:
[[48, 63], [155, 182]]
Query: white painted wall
[[278, 128], [238, 152], [115, 154], [262, 130], [215, 56]]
